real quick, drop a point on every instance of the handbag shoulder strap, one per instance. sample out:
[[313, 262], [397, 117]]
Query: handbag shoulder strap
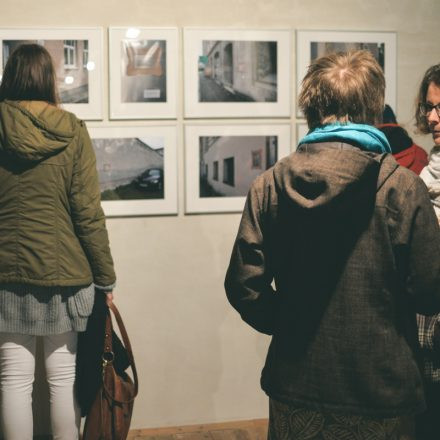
[[125, 340]]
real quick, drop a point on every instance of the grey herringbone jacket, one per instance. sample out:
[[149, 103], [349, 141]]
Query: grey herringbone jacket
[[352, 244]]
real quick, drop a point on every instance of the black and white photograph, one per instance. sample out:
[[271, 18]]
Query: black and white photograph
[[314, 44], [77, 58], [71, 62], [229, 164], [236, 73], [143, 73], [135, 167], [221, 162]]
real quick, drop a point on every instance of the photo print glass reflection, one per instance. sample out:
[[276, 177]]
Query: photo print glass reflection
[[319, 49], [143, 66], [71, 62], [229, 164], [130, 168], [238, 71]]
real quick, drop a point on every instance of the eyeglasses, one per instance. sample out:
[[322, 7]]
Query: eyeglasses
[[426, 109]]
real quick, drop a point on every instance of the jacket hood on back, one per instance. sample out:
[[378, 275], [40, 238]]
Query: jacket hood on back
[[330, 176], [34, 130]]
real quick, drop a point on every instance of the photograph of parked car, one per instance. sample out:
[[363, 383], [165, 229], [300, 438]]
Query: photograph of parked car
[[71, 60], [238, 71], [143, 64], [130, 168]]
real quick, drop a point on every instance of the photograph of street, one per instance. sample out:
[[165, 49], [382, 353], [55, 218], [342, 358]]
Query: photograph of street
[[238, 71], [143, 66], [71, 60], [130, 168], [319, 49], [229, 164]]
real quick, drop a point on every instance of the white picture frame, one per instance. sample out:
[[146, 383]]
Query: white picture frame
[[143, 66], [129, 171], [252, 148], [310, 43], [301, 130], [237, 73], [77, 55]]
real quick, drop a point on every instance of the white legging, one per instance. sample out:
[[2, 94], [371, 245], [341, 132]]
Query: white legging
[[17, 366]]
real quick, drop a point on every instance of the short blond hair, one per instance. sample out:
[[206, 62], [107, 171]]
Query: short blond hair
[[343, 87]]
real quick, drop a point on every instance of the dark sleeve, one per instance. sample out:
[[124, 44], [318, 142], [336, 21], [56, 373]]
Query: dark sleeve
[[87, 215], [248, 279], [423, 280]]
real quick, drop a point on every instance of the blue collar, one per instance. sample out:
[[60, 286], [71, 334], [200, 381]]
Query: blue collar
[[364, 136]]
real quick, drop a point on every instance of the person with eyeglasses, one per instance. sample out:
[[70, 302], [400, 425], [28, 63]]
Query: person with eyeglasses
[[428, 121]]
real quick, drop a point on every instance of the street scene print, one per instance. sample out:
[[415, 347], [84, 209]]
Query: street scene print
[[238, 71], [130, 168], [319, 49], [72, 66], [143, 65], [229, 164]]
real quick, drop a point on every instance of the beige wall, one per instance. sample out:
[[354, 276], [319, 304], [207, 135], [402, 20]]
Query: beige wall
[[197, 362]]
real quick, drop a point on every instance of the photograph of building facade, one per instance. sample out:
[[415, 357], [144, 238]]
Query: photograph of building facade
[[319, 49], [229, 164], [130, 168], [240, 71], [143, 66], [71, 61]]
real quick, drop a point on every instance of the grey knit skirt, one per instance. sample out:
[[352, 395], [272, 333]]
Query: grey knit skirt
[[37, 310]]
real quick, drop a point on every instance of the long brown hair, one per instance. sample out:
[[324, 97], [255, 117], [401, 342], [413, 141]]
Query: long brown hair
[[29, 75], [432, 75], [344, 87]]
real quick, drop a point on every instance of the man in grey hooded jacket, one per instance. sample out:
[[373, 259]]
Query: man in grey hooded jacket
[[337, 249]]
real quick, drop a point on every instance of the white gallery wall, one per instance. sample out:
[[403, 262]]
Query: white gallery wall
[[197, 362]]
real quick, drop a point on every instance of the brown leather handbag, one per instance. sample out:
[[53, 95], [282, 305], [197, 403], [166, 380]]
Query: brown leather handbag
[[109, 416]]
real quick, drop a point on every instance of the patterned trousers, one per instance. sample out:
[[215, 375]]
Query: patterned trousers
[[291, 423]]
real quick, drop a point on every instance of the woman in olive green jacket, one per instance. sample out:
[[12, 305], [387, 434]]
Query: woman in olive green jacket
[[54, 245]]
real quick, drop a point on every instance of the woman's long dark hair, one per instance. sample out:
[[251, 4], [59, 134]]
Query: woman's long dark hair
[[29, 75]]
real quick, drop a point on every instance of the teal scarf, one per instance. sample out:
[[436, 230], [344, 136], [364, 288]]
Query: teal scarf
[[364, 136]]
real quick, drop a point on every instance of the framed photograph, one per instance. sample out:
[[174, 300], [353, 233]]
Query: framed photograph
[[236, 73], [143, 73], [137, 169], [301, 130], [77, 56], [313, 44], [222, 162]]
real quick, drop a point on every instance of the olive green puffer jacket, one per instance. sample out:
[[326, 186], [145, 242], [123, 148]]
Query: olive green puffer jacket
[[52, 227]]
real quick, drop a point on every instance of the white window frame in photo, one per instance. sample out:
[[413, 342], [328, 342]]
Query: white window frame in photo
[[193, 108], [143, 207], [93, 110], [143, 110], [196, 204], [303, 55]]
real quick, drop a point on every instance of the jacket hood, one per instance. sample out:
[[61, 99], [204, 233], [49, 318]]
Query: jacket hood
[[397, 136], [34, 130], [331, 176]]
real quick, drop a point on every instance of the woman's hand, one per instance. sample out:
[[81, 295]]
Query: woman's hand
[[109, 296]]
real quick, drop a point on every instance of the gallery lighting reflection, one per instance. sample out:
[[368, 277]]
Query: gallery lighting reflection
[[90, 66], [132, 33], [69, 79]]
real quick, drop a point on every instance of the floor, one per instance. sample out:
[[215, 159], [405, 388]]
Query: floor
[[245, 430]]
